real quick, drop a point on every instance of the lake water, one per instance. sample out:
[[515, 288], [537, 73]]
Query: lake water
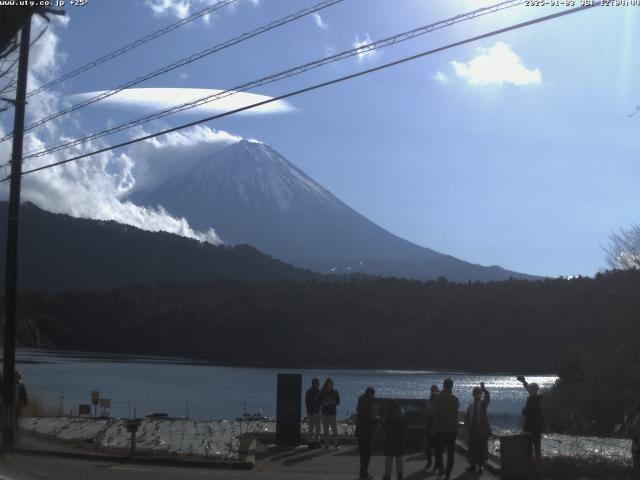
[[181, 387]]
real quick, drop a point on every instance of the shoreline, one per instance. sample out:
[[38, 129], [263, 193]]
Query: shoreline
[[180, 360]]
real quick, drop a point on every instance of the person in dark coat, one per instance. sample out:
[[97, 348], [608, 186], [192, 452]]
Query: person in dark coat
[[479, 429], [533, 420], [394, 428], [21, 397], [635, 442], [430, 439], [365, 423], [329, 401], [445, 426], [312, 402]]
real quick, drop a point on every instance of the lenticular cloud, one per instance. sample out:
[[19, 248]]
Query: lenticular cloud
[[151, 99]]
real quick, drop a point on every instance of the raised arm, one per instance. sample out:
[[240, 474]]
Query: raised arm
[[486, 396], [522, 380]]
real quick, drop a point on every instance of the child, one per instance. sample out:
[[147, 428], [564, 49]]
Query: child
[[394, 428]]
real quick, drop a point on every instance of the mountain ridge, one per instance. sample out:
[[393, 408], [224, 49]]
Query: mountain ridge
[[249, 193], [84, 253]]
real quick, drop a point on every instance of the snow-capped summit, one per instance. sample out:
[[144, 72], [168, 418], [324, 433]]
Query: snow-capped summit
[[254, 176], [251, 194]]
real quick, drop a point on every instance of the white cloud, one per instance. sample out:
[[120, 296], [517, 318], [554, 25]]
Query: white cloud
[[45, 59], [162, 157], [177, 8], [440, 77], [183, 8], [496, 65], [363, 51], [319, 21], [150, 99], [97, 186]]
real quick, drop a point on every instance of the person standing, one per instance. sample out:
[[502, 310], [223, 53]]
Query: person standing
[[479, 429], [445, 426], [312, 402], [429, 437], [635, 443], [329, 401], [365, 423], [394, 428], [21, 397], [533, 421]]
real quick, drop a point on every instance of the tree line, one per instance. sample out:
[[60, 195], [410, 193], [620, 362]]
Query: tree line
[[585, 329]]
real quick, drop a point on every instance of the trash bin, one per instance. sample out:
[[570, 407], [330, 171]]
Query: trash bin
[[515, 457]]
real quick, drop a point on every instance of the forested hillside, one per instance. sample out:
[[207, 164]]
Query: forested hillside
[[62, 252], [499, 326]]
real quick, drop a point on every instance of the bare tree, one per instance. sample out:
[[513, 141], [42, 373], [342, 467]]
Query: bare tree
[[623, 251]]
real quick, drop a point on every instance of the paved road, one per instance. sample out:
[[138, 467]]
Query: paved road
[[271, 465], [344, 464]]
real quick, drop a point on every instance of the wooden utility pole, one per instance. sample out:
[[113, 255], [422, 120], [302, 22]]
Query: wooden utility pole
[[8, 412]]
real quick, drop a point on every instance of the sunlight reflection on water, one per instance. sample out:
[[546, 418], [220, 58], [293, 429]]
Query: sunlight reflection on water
[[156, 384]]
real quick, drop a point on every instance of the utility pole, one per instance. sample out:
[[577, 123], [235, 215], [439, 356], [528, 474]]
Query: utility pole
[[8, 412]]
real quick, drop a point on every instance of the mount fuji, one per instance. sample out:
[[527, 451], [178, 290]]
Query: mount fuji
[[251, 194]]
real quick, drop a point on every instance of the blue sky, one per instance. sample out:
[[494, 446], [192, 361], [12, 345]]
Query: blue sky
[[529, 166]]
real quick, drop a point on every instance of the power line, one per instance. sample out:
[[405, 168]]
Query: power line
[[132, 45], [317, 86], [279, 76], [183, 62], [10, 86]]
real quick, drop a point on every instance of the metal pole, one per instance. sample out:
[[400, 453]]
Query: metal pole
[[9, 365], [133, 443]]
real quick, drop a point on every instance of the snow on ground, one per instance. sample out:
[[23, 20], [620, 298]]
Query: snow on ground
[[581, 447], [220, 439], [215, 439], [75, 429]]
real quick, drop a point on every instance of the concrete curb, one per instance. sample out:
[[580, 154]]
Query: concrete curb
[[142, 460]]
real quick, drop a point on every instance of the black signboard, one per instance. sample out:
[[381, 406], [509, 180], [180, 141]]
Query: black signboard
[[289, 409]]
